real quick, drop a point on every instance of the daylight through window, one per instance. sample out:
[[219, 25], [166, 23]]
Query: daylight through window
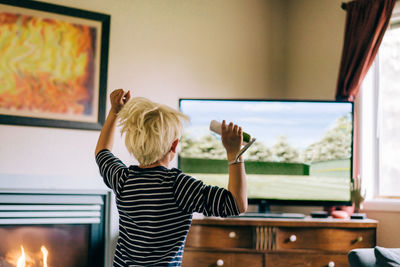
[[389, 113]]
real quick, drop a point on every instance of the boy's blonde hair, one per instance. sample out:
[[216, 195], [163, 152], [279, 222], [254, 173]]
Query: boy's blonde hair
[[150, 128]]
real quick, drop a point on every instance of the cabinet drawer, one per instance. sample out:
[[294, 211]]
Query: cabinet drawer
[[214, 259], [285, 259], [220, 237], [206, 259], [328, 239]]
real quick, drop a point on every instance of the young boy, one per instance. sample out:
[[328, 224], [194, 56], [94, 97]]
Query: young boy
[[155, 203]]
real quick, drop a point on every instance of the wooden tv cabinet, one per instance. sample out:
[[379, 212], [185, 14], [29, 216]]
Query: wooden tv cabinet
[[257, 242]]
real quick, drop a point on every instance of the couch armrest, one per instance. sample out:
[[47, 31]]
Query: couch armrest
[[362, 257]]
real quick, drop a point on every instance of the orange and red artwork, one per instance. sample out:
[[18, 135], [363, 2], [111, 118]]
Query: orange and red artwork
[[49, 65]]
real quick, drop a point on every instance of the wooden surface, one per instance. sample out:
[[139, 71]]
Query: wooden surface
[[211, 258], [308, 221], [220, 237], [328, 239], [286, 259], [275, 242]]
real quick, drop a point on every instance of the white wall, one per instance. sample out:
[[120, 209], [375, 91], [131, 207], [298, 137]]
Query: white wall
[[315, 39]]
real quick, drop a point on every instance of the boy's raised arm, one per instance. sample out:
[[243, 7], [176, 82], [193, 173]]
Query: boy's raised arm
[[106, 139], [232, 141]]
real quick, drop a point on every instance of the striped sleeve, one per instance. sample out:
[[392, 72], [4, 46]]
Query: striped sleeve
[[111, 169], [193, 195]]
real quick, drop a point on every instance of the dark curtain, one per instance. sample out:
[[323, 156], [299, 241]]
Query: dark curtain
[[366, 23]]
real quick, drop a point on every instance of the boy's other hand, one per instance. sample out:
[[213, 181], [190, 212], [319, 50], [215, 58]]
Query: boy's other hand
[[118, 99], [231, 139]]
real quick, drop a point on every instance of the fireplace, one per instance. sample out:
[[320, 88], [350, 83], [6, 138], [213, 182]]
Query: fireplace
[[57, 229]]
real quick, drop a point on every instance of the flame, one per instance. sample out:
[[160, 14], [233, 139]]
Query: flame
[[45, 254], [46, 64], [26, 261], [21, 260]]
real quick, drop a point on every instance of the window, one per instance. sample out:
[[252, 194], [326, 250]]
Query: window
[[380, 119]]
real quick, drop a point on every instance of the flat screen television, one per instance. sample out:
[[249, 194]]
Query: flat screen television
[[302, 155]]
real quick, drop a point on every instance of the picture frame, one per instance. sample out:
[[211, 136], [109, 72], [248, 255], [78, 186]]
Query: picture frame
[[53, 65]]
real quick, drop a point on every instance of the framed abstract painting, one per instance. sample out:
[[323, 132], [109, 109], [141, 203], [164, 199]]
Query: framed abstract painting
[[53, 65]]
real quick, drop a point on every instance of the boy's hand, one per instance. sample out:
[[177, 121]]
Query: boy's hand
[[106, 139], [118, 99], [231, 139]]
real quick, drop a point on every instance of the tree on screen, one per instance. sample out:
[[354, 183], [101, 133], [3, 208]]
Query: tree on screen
[[334, 144]]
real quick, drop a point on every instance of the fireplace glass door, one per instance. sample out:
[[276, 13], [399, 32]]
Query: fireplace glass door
[[44, 246]]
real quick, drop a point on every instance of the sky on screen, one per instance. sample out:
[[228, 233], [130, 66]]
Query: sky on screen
[[303, 123]]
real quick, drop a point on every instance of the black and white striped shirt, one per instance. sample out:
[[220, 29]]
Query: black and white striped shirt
[[155, 210]]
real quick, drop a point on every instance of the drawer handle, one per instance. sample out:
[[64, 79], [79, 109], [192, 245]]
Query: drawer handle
[[293, 238], [357, 240], [232, 234], [220, 262], [331, 264]]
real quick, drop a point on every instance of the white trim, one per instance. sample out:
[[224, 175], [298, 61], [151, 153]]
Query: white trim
[[15, 221], [369, 143], [49, 207], [380, 204], [50, 214]]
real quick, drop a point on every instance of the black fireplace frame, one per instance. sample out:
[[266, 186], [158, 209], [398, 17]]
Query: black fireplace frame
[[59, 208]]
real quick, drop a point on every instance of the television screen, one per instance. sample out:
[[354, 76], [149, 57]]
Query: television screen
[[303, 151]]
